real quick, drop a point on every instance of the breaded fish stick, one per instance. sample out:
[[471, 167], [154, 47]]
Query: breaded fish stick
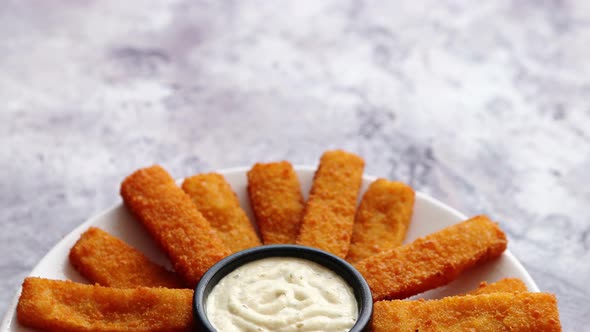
[[277, 202], [382, 219], [329, 213], [432, 261], [507, 285], [523, 312], [220, 206], [104, 259], [65, 306], [174, 222]]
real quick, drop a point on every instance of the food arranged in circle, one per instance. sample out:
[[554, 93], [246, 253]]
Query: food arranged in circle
[[201, 222]]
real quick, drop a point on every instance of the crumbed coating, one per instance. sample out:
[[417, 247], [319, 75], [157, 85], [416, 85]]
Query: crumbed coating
[[497, 312], [65, 306], [329, 212], [174, 222], [506, 285], [276, 200], [382, 219], [104, 259], [216, 201], [434, 260]]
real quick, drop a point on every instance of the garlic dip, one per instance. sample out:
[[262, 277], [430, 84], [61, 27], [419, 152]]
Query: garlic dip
[[282, 294]]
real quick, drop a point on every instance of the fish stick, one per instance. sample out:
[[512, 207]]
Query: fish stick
[[382, 219], [506, 285], [65, 306], [329, 212], [217, 202], [522, 312], [104, 259], [277, 202], [432, 261], [174, 222]]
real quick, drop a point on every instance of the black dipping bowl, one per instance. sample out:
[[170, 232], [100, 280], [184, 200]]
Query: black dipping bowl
[[362, 293]]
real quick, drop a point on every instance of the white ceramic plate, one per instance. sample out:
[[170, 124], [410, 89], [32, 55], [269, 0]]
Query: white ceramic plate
[[429, 216]]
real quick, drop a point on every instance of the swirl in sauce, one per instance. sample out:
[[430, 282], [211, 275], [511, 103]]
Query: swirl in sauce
[[282, 294]]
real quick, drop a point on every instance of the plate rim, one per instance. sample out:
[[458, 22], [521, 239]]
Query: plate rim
[[10, 314]]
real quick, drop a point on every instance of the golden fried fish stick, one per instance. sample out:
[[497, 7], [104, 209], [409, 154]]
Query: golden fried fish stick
[[522, 312], [382, 219], [507, 285], [217, 202], [106, 260], [65, 306], [329, 212], [432, 261], [174, 222], [277, 202]]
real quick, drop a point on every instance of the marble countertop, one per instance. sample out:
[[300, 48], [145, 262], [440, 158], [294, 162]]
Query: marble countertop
[[484, 107]]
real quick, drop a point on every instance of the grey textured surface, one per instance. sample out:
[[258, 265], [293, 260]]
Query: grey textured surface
[[482, 105]]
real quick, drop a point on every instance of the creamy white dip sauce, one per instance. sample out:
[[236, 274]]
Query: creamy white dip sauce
[[281, 294]]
